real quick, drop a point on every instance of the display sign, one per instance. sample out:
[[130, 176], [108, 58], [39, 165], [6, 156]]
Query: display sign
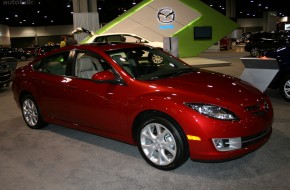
[[166, 17], [202, 33]]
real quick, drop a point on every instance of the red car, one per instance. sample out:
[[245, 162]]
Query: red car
[[169, 109]]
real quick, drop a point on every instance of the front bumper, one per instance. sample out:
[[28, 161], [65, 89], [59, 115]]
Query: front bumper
[[207, 150]]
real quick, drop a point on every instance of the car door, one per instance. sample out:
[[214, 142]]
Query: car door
[[99, 105], [50, 83]]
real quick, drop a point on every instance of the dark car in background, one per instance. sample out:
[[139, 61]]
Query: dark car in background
[[46, 48], [13, 52], [8, 66], [263, 41], [30, 51], [281, 80], [5, 74]]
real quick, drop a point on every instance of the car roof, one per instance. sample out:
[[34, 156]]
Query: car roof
[[116, 33], [99, 47], [112, 34]]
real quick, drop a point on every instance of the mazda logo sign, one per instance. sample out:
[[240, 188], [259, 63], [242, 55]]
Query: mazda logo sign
[[166, 15]]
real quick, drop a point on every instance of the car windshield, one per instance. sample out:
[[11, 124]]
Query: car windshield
[[149, 63]]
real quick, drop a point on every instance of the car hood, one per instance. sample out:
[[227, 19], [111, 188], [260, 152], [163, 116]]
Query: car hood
[[210, 87]]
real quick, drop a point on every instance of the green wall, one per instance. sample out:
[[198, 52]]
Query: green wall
[[187, 46], [221, 26]]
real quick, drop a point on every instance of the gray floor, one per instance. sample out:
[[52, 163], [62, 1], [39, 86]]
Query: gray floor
[[58, 158]]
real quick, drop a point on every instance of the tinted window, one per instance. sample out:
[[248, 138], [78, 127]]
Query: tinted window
[[147, 63], [55, 64]]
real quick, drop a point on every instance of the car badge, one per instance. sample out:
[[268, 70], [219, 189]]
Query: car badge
[[166, 15]]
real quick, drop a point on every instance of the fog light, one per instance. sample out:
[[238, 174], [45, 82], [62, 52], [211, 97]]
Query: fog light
[[227, 144], [219, 143]]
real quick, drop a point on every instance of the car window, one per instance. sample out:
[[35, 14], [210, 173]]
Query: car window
[[147, 63], [114, 38], [110, 38], [99, 39], [88, 63], [55, 64], [132, 39]]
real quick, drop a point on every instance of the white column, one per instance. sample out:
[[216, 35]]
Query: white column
[[85, 15]]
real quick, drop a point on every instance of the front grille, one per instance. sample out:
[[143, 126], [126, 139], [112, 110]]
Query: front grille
[[253, 139]]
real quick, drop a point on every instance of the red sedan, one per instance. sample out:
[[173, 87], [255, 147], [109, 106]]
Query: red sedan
[[169, 109]]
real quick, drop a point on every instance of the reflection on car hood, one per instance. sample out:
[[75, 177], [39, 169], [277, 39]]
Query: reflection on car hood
[[205, 85]]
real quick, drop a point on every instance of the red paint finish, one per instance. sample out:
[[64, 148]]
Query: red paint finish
[[110, 108]]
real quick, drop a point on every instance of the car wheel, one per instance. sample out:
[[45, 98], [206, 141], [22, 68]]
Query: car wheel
[[31, 113], [157, 59], [161, 143], [285, 88], [254, 52]]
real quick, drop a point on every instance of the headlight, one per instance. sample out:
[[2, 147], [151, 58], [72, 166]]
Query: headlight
[[213, 111]]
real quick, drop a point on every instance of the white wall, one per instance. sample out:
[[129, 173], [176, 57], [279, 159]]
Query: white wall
[[253, 22], [4, 35], [40, 31]]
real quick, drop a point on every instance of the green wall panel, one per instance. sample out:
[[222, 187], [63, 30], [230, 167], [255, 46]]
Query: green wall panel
[[221, 26], [187, 46]]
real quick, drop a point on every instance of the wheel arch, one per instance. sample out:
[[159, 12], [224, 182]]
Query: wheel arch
[[147, 113], [22, 95]]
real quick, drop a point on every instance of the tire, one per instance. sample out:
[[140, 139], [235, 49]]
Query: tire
[[254, 52], [31, 114], [162, 143], [284, 88]]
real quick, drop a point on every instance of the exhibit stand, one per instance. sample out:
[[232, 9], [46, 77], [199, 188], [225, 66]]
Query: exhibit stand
[[259, 72], [170, 45]]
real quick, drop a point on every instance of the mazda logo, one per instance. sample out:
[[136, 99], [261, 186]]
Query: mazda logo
[[166, 15]]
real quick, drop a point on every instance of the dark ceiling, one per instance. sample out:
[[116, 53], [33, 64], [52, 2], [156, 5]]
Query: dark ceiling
[[59, 12]]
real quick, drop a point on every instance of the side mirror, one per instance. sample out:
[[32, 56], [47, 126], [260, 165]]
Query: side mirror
[[104, 76]]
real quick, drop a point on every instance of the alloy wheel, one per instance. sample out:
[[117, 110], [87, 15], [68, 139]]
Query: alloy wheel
[[158, 144], [30, 112]]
